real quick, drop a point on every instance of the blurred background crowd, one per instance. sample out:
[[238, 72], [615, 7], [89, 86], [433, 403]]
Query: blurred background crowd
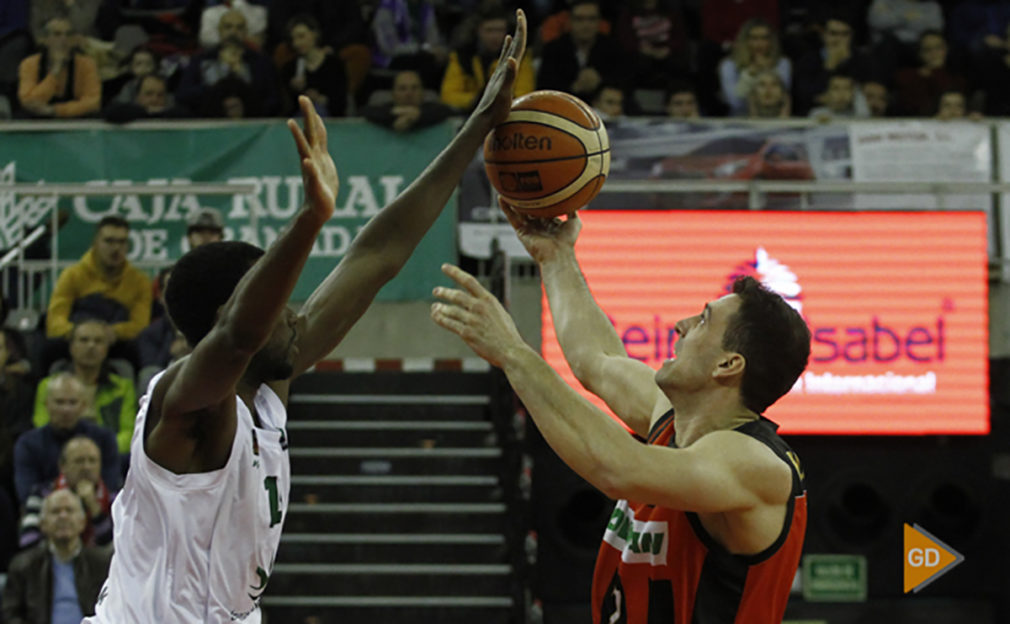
[[407, 62]]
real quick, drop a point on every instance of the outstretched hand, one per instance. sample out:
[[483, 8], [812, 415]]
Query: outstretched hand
[[543, 238], [319, 173], [476, 316], [496, 102]]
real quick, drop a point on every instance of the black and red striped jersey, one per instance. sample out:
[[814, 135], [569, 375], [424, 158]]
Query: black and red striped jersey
[[660, 566]]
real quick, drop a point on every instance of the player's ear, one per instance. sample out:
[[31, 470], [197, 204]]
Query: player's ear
[[729, 365]]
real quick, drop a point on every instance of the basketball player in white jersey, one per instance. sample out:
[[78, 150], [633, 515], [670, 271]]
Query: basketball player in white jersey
[[199, 519]]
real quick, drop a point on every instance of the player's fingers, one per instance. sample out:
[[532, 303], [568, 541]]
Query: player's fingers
[[308, 111], [514, 218], [519, 41], [453, 296], [505, 47], [318, 129], [442, 320], [468, 282], [300, 142]]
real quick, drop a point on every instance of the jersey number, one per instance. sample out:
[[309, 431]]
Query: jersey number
[[270, 483]]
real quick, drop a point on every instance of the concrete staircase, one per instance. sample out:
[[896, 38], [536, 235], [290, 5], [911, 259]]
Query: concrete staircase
[[405, 502]]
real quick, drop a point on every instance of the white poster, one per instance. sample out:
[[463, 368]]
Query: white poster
[[926, 152]]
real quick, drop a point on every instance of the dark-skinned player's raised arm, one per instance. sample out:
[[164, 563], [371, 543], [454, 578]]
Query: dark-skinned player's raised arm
[[384, 245]]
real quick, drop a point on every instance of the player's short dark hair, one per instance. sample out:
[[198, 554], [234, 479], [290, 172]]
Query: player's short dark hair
[[772, 337], [114, 221], [202, 281]]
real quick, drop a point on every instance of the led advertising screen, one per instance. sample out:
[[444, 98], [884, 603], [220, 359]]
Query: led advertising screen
[[897, 305]]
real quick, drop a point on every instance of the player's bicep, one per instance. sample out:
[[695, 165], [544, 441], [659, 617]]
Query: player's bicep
[[629, 389]]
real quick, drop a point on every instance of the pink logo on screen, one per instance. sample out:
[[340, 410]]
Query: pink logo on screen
[[775, 276]]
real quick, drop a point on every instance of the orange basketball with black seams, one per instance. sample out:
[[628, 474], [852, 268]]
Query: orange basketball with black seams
[[550, 156]]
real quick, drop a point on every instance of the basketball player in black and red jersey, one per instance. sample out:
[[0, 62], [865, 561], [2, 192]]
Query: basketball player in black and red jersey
[[711, 509]]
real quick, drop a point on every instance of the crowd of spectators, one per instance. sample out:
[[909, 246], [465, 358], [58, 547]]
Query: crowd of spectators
[[140, 59]]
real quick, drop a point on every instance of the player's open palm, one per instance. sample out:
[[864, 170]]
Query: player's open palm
[[543, 238], [497, 98], [319, 173]]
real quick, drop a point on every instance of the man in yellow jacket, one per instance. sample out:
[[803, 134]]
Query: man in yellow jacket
[[469, 67], [105, 286]]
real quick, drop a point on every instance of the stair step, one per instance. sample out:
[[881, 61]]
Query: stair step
[[409, 579], [396, 517], [426, 434], [445, 382], [386, 609], [383, 548], [389, 489], [395, 461], [329, 412]]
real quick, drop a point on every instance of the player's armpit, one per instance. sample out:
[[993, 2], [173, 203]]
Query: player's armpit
[[722, 471]]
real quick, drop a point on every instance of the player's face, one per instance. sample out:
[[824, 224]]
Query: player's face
[[275, 361], [699, 347], [110, 245], [82, 461], [89, 344], [62, 516]]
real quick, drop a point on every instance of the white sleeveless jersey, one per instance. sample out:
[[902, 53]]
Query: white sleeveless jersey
[[199, 548]]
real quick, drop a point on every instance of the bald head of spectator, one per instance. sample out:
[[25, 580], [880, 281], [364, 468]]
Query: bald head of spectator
[[63, 522], [233, 27], [66, 401]]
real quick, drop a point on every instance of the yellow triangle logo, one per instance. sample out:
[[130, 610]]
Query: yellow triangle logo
[[926, 558]]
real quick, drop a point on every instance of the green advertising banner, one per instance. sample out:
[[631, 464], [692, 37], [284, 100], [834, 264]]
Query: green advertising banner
[[375, 165]]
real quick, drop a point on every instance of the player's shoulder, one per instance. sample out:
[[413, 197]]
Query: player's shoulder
[[754, 462]]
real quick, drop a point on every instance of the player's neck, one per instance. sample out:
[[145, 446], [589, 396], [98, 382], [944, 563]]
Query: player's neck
[[699, 414]]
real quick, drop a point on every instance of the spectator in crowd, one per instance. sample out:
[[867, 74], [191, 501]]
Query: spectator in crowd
[[608, 102], [204, 226], [112, 400], [769, 98], [471, 65], [59, 81], [878, 98], [975, 25], [160, 343], [952, 104], [813, 70], [408, 109], [903, 20], [755, 50], [80, 473], [653, 36], [15, 394], [103, 285], [230, 69], [407, 36], [682, 103], [557, 23], [993, 77], [918, 89], [254, 17], [82, 15], [123, 89], [152, 102], [844, 100], [37, 452], [57, 581], [581, 60], [721, 20], [316, 71]]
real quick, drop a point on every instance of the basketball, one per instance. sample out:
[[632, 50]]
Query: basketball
[[550, 156]]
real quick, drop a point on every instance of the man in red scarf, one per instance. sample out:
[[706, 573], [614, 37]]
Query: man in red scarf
[[80, 472]]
